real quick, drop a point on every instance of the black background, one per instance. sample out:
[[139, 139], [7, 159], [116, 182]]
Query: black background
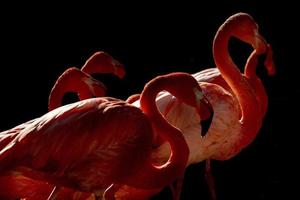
[[39, 43]]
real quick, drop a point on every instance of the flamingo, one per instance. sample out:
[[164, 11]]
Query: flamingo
[[233, 97], [75, 80], [72, 80], [116, 136]]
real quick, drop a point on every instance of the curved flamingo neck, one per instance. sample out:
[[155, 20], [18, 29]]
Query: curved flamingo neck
[[251, 65], [233, 76], [160, 176], [74, 80], [250, 73], [160, 125]]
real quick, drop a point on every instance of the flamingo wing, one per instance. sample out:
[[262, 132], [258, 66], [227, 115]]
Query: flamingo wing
[[212, 75]]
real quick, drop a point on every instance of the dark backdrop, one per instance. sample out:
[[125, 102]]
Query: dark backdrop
[[38, 44]]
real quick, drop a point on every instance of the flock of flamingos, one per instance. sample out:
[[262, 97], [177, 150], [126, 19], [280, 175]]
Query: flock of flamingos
[[106, 148]]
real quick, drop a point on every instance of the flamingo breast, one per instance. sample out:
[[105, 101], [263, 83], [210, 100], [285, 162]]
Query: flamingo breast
[[225, 128]]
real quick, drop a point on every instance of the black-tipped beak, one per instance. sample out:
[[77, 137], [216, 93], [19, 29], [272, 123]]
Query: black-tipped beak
[[262, 47], [206, 113], [269, 62]]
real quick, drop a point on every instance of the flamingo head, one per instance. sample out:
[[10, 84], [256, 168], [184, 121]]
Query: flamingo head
[[187, 90], [244, 27], [101, 62]]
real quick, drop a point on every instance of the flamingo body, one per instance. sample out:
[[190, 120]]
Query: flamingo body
[[86, 156]]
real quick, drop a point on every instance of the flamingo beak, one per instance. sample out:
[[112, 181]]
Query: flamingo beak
[[205, 111], [262, 47], [259, 43], [119, 69], [269, 63]]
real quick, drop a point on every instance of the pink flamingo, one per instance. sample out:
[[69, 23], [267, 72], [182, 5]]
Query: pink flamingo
[[72, 80], [80, 81]]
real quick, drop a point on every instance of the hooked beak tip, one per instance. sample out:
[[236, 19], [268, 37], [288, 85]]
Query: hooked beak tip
[[206, 114], [205, 109], [269, 62]]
